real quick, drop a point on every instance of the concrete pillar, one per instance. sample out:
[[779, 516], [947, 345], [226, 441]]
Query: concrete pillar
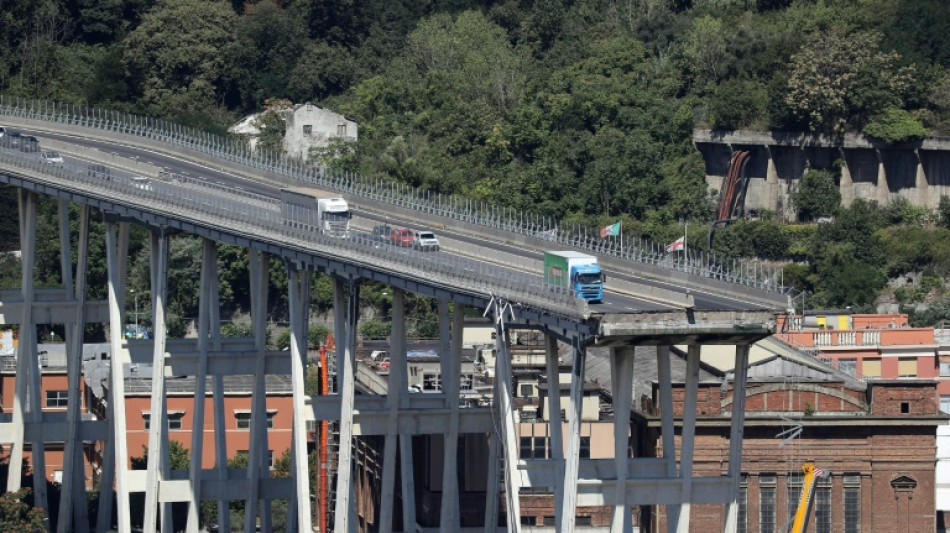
[[555, 424], [217, 382], [621, 377], [572, 458], [116, 461], [687, 439], [883, 191], [492, 486], [347, 387], [771, 180], [157, 469], [208, 265], [506, 421], [666, 421], [299, 299], [257, 451], [735, 435], [846, 184], [73, 514], [397, 386], [921, 185], [451, 353]]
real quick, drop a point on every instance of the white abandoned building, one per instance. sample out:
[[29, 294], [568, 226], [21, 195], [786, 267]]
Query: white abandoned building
[[307, 126]]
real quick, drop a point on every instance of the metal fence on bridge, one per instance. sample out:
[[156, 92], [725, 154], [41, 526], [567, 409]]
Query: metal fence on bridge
[[697, 263]]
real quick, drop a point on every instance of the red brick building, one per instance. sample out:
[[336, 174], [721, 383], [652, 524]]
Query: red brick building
[[876, 439]]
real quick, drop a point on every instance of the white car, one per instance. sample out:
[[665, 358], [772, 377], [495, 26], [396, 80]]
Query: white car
[[425, 240], [52, 158]]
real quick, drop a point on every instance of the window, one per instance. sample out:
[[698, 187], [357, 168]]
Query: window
[[307, 129], [794, 494], [174, 420], [533, 447], [945, 369], [243, 419], [525, 447], [431, 382], [871, 367], [852, 503], [742, 512], [823, 505], [848, 366], [767, 504], [57, 398], [585, 448], [529, 520], [905, 408], [467, 382], [341, 130], [582, 520], [907, 367], [526, 390], [540, 447], [945, 403]]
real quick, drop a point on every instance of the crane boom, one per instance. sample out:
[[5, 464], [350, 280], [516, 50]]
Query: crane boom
[[808, 496]]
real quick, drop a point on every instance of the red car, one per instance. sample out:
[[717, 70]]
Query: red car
[[401, 237]]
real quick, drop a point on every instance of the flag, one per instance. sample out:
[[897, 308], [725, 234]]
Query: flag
[[677, 245], [610, 231]]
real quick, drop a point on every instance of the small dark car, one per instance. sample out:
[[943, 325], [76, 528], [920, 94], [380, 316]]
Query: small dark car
[[381, 232], [29, 143], [99, 171]]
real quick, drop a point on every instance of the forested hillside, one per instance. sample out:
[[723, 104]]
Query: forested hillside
[[581, 110]]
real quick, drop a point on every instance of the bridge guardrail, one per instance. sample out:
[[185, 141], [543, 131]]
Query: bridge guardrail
[[751, 275]]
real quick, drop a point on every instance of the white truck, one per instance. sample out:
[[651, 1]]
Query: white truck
[[317, 210]]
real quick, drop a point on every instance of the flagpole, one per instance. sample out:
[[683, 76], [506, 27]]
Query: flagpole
[[620, 232]]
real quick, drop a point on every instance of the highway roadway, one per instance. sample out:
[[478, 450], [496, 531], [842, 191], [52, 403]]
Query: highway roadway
[[613, 302]]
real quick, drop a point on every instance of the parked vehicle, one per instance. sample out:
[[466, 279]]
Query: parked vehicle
[[313, 208], [52, 158], [575, 270], [401, 237], [98, 171], [425, 241], [29, 143]]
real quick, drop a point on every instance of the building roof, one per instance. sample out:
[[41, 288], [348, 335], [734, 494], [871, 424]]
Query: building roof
[[241, 384]]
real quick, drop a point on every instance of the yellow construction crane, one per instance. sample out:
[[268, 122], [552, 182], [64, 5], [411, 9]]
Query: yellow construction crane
[[808, 496]]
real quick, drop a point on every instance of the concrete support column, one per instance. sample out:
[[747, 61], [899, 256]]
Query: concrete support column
[[506, 421], [921, 185], [26, 407], [846, 185], [158, 468], [115, 464], [73, 515], [346, 371], [492, 487], [666, 422], [208, 265], [217, 382], [883, 191], [771, 180], [735, 435], [397, 386], [257, 451], [572, 459], [687, 438], [299, 300], [451, 377], [621, 377], [555, 424]]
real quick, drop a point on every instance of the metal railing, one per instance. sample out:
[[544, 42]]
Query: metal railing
[[258, 217], [573, 235]]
